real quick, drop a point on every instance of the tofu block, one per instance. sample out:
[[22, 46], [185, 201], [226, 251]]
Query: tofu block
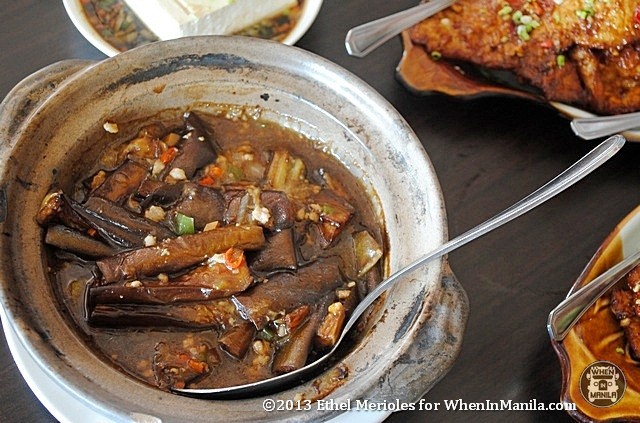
[[170, 19]]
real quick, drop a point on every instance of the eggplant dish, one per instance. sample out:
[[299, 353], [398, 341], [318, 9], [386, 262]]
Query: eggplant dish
[[580, 52], [211, 251]]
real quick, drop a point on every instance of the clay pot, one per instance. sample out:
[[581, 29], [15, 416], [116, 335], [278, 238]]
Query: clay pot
[[48, 128]]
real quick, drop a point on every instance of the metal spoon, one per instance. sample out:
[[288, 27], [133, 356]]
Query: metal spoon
[[365, 38], [573, 174], [568, 312], [602, 126]]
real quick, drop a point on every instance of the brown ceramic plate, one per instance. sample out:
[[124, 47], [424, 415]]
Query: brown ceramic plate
[[423, 75], [597, 338]]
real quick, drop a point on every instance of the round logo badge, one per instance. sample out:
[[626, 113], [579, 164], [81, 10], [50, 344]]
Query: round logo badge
[[602, 384]]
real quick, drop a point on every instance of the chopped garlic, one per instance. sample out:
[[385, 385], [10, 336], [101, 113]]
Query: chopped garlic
[[261, 214], [343, 294], [282, 331], [210, 226], [135, 284], [149, 240], [158, 167], [111, 127], [259, 347], [155, 213], [216, 259], [162, 277], [178, 174]]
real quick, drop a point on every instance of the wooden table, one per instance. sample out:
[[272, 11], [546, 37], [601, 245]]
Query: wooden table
[[488, 153]]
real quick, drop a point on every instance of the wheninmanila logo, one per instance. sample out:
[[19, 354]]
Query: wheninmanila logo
[[602, 384]]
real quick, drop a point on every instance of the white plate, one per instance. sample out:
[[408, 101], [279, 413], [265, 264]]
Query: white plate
[[310, 9]]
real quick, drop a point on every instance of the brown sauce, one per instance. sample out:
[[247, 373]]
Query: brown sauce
[[300, 245]]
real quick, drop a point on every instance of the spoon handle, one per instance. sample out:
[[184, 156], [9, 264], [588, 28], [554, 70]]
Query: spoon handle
[[365, 38], [573, 174], [568, 312], [601, 126]]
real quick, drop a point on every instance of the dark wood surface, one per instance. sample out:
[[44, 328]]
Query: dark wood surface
[[488, 153]]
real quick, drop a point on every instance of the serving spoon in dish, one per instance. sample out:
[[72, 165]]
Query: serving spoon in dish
[[568, 312], [363, 39], [573, 174], [602, 126]]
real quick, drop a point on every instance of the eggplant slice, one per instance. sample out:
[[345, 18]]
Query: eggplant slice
[[174, 255]]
